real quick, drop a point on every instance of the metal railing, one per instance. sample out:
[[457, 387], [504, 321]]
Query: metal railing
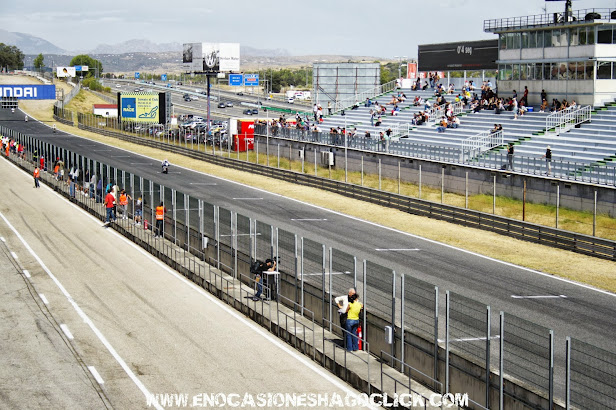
[[317, 272], [563, 121], [485, 141], [543, 19]]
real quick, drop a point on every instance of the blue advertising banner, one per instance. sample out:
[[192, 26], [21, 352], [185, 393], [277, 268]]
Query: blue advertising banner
[[236, 79], [251, 79], [136, 76], [29, 91], [163, 77]]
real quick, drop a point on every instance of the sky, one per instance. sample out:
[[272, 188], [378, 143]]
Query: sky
[[303, 27]]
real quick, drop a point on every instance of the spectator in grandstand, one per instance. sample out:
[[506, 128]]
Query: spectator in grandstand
[[493, 130], [453, 122], [573, 104], [329, 108], [395, 110], [442, 125], [425, 86], [524, 98], [450, 89], [514, 96], [514, 107], [555, 105], [378, 121], [544, 105], [368, 103], [544, 95], [355, 106], [372, 115]]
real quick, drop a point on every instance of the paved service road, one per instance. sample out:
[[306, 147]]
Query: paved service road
[[585, 313], [92, 299]]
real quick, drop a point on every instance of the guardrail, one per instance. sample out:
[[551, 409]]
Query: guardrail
[[545, 19], [556, 238], [485, 141]]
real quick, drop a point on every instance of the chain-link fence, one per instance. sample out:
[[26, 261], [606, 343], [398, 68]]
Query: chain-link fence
[[592, 376]]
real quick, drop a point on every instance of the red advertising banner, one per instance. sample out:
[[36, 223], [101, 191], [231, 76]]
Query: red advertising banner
[[411, 71]]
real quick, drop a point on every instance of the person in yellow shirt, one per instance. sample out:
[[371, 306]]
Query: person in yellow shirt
[[353, 309]]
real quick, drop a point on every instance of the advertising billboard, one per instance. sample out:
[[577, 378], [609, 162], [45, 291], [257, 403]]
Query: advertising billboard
[[211, 58], [81, 68], [464, 55], [140, 107], [411, 70], [65, 72], [29, 92]]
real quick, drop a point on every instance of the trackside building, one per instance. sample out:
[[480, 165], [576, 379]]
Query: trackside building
[[570, 55]]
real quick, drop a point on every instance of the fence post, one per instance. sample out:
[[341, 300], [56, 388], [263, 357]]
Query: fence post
[[551, 376], [399, 177], [558, 202], [365, 328], [302, 274], [419, 194], [278, 154], [379, 173], [594, 216], [442, 183], [446, 342], [257, 150], [568, 373], [330, 289], [323, 253], [436, 335], [488, 342], [234, 244], [315, 162], [500, 360], [402, 323], [174, 215], [217, 232], [466, 191], [362, 169], [494, 195]]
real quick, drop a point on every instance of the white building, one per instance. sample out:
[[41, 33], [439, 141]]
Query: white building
[[570, 55], [105, 110]]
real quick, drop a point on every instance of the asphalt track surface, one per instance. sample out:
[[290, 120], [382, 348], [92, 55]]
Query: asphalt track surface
[[92, 321], [585, 313]]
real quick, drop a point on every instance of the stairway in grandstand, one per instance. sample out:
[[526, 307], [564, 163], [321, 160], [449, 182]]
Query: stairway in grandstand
[[588, 147]]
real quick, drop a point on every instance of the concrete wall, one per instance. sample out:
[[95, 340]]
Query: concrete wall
[[573, 195]]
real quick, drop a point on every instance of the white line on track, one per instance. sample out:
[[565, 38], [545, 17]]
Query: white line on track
[[81, 313], [248, 199], [2, 239], [66, 331], [14, 255], [240, 317], [354, 218], [202, 183], [309, 219], [539, 297], [44, 299], [396, 250], [97, 376], [26, 274], [468, 339]]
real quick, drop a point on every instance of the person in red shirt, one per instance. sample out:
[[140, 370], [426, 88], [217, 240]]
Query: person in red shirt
[[109, 202]]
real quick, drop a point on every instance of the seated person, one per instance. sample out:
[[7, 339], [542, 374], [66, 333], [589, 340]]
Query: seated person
[[355, 106], [453, 122], [395, 110], [442, 125], [368, 102], [378, 121]]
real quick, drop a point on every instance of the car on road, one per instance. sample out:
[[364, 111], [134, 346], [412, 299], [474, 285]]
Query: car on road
[[255, 111], [222, 105], [229, 104], [290, 100], [247, 111], [118, 86], [194, 98], [240, 93], [187, 99]]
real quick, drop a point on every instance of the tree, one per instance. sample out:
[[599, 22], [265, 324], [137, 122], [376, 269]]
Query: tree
[[11, 57], [39, 62], [93, 64]]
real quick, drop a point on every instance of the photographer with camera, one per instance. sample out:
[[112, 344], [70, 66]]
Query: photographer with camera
[[258, 269]]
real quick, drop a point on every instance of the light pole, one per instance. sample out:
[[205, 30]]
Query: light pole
[[400, 64]]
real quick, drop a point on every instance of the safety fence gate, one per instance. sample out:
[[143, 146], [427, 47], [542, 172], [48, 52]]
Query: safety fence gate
[[476, 145]]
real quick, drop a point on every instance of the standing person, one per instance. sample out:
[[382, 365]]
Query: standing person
[[329, 108], [352, 322], [548, 160], [343, 303], [109, 204], [124, 198], [138, 211], [510, 156], [42, 161], [37, 175], [525, 96], [259, 271], [160, 221], [35, 157]]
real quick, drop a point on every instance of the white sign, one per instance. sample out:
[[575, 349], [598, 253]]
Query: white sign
[[65, 71]]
